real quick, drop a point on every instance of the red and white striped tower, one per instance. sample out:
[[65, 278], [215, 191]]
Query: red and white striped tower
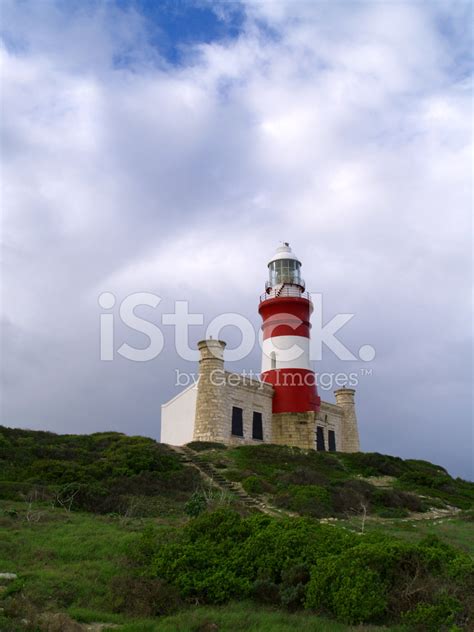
[[286, 309]]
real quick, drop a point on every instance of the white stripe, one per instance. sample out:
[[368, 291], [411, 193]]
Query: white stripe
[[290, 352]]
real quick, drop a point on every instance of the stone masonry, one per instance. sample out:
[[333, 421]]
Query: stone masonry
[[295, 429], [350, 433], [211, 405]]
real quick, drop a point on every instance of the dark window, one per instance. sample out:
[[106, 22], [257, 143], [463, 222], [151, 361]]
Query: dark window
[[320, 439], [273, 360], [237, 425], [332, 440], [257, 426]]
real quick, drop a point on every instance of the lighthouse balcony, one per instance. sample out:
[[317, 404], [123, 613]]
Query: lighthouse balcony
[[280, 291]]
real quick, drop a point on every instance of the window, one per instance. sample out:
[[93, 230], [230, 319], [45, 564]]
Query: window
[[237, 424], [284, 271], [273, 360], [257, 426], [332, 440], [320, 447]]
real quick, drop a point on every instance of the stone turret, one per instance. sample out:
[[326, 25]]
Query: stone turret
[[211, 406], [349, 431]]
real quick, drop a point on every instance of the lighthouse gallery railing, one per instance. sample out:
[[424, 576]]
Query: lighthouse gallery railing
[[285, 291]]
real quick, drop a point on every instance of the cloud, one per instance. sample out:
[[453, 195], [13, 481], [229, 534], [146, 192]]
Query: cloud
[[345, 130]]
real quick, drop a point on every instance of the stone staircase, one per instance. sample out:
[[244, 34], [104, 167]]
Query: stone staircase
[[211, 473]]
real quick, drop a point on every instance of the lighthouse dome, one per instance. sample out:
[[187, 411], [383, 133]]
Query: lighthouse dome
[[284, 252]]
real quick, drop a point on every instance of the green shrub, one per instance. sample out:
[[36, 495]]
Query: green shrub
[[434, 617], [347, 589], [351, 496], [195, 505], [396, 499], [266, 591], [252, 485], [220, 555], [13, 490], [373, 464], [310, 500], [200, 562], [313, 500], [293, 586], [303, 475], [426, 479], [292, 597]]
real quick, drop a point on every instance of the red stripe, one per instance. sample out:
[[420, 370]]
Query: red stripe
[[286, 316], [295, 390]]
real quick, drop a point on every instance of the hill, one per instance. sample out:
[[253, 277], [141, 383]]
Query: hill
[[324, 484], [126, 531]]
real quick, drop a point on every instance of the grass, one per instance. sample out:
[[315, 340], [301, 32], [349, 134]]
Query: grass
[[64, 559], [454, 531], [233, 617], [244, 617]]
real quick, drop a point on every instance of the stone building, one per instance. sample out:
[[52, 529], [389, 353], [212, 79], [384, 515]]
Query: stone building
[[236, 409], [282, 407]]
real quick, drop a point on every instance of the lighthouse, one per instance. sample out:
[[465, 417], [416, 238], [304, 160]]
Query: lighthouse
[[283, 406], [285, 308]]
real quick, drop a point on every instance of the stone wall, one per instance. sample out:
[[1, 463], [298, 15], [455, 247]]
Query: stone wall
[[331, 417], [295, 429], [299, 429], [252, 396], [211, 403], [219, 391], [350, 433]]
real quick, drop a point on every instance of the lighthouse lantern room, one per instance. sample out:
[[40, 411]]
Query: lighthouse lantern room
[[284, 269]]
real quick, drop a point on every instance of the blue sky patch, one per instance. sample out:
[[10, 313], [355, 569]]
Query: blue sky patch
[[176, 24]]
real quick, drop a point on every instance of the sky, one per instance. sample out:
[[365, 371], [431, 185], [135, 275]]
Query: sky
[[169, 147]]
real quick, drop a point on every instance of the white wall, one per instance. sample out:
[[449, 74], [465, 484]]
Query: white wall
[[291, 352], [177, 417]]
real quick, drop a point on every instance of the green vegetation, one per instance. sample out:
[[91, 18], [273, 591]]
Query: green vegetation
[[241, 617], [63, 558], [453, 530], [233, 617], [323, 484], [297, 562], [70, 562], [120, 530], [103, 473]]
